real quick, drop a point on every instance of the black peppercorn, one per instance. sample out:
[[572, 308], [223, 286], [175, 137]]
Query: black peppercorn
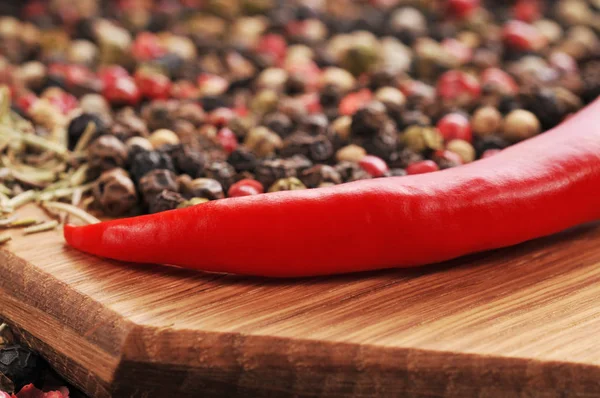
[[295, 84], [403, 158], [202, 188], [21, 366], [315, 124], [351, 171], [222, 172], [590, 73], [188, 161], [491, 141], [115, 193], [242, 159], [106, 153], [78, 125], [319, 174], [159, 114], [270, 170], [156, 181], [128, 124], [317, 148], [147, 161], [368, 120], [163, 201], [278, 122], [212, 102], [330, 96]]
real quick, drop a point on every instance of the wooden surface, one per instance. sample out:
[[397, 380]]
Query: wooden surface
[[517, 322]]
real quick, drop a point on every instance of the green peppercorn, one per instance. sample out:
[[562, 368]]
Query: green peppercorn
[[287, 184], [420, 139]]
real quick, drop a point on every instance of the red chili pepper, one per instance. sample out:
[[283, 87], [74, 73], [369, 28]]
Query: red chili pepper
[[535, 188]]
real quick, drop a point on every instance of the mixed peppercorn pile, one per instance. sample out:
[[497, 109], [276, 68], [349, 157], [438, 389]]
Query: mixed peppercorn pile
[[137, 106]]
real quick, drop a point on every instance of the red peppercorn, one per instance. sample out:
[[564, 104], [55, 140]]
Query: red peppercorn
[[455, 126], [184, 89], [522, 36], [458, 50], [153, 85], [109, 74], [462, 8], [495, 77], [147, 47], [354, 101], [272, 46], [216, 82], [311, 102], [77, 74], [122, 90], [422, 167], [454, 84], [245, 187], [309, 72], [220, 117], [64, 101], [373, 165], [227, 139], [25, 101], [527, 10]]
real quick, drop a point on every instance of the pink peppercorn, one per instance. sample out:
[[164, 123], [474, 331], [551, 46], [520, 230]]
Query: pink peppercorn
[[184, 89], [245, 187], [220, 117], [455, 126], [527, 10], [122, 91], [458, 50], [354, 101], [25, 101], [522, 36], [273, 47], [109, 74], [147, 47], [227, 139], [422, 167], [373, 165], [462, 8], [495, 77], [64, 101], [454, 85], [153, 85]]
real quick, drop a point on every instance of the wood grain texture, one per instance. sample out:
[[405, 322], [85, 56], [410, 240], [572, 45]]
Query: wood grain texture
[[519, 322]]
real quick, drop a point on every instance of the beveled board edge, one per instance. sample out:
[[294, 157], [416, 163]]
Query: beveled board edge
[[106, 355]]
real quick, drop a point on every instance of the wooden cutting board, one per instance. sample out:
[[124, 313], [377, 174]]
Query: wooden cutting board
[[520, 322]]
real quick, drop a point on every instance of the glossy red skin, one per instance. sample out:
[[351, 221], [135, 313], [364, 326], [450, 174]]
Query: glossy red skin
[[535, 188]]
